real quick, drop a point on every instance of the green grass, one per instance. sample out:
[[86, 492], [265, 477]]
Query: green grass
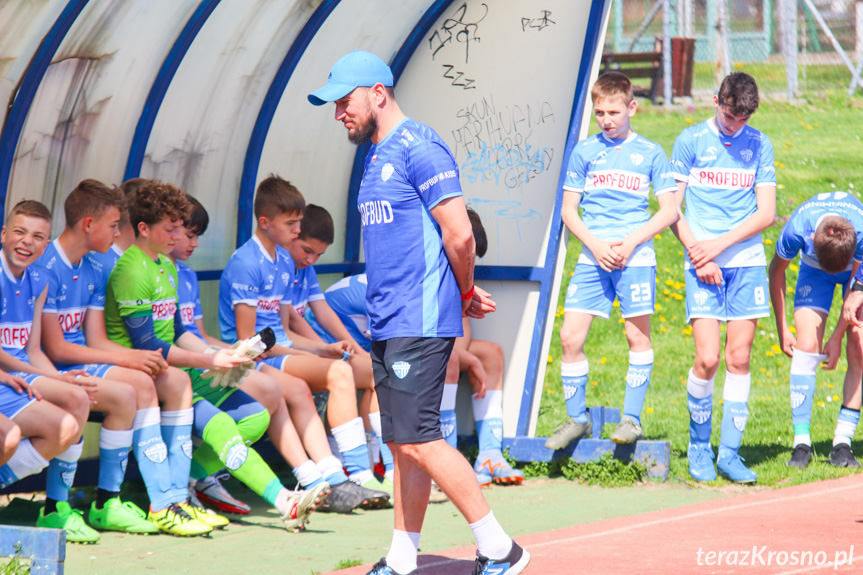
[[817, 147]]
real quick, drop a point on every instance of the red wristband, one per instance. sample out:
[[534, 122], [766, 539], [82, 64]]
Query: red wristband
[[468, 295]]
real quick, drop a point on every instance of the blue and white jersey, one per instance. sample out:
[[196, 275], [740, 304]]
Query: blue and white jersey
[[721, 174], [411, 288], [106, 261], [253, 278], [796, 235], [72, 290], [304, 289], [347, 297], [189, 298], [17, 305], [614, 178]]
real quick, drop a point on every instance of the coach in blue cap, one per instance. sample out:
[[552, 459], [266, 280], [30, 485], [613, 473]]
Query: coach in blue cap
[[419, 252]]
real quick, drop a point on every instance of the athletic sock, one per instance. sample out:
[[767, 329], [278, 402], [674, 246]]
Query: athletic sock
[[308, 474], [113, 456], [448, 421], [574, 379], [61, 472], [24, 462], [177, 433], [386, 454], [735, 411], [331, 469], [802, 389], [637, 382], [846, 425], [700, 404], [402, 556], [491, 540], [488, 414], [151, 453], [351, 439]]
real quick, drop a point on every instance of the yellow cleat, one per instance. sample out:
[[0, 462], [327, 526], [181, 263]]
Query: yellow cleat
[[205, 516], [176, 521]]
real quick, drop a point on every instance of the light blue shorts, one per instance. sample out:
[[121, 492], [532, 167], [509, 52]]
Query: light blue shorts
[[815, 288], [12, 402], [742, 295], [592, 290], [94, 369], [278, 362]]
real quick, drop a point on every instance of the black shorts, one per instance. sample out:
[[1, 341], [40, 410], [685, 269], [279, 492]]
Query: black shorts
[[409, 378]]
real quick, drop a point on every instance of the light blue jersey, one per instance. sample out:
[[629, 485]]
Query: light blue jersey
[[189, 298], [614, 178], [252, 278], [105, 262], [796, 235], [72, 290], [347, 297], [304, 289], [721, 175], [17, 305], [412, 291]]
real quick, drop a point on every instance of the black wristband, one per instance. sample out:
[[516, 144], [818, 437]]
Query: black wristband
[[856, 285]]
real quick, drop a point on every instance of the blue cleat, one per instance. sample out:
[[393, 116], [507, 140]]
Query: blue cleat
[[491, 466], [514, 563], [701, 462], [381, 568], [731, 466]]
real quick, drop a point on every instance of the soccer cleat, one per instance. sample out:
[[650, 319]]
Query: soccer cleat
[[210, 491], [381, 568], [730, 465], [375, 497], [300, 504], [117, 515], [800, 457], [701, 462], [567, 433], [514, 562], [493, 464], [386, 486], [627, 432], [437, 495], [174, 520], [69, 520], [205, 516], [842, 456], [344, 497]]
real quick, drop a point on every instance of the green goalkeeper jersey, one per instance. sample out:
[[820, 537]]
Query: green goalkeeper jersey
[[138, 286]]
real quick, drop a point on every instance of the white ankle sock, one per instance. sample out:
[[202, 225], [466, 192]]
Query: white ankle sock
[[402, 555]]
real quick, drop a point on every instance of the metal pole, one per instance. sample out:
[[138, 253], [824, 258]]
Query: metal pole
[[687, 18], [836, 46], [618, 24], [645, 23], [723, 37], [789, 16], [666, 52]]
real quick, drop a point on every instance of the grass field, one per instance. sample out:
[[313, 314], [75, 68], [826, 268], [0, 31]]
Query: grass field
[[818, 149]]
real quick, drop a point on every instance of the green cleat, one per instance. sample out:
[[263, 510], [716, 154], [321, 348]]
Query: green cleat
[[71, 521], [119, 515]]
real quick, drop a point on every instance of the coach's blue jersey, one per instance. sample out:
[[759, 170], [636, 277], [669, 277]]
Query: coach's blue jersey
[[614, 178], [105, 262], [253, 278], [17, 307], [796, 235], [304, 289], [411, 291], [72, 290], [189, 298], [347, 297], [721, 173]]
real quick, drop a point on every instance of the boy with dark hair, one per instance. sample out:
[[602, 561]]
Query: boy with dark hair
[[609, 176], [106, 261], [52, 432], [255, 292], [725, 173], [265, 386], [823, 228]]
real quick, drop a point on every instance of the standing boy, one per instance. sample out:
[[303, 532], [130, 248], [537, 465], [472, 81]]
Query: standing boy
[[419, 260], [609, 177], [725, 173], [828, 230]]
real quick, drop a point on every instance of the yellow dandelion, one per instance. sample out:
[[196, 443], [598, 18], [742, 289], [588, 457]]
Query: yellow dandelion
[[835, 398], [808, 127], [792, 329], [768, 241], [621, 320], [830, 385], [549, 359], [649, 410], [769, 354], [776, 348], [662, 328], [615, 304], [688, 120], [762, 370], [768, 374], [602, 361], [656, 306], [593, 383], [657, 237], [820, 404]]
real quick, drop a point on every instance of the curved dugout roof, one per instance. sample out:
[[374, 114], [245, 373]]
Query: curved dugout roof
[[211, 95]]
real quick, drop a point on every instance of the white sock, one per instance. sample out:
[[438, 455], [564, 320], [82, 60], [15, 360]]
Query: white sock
[[307, 473], [329, 465], [489, 406], [26, 460], [699, 388], [491, 540], [402, 556], [447, 402], [350, 435], [737, 387], [374, 448], [282, 502], [147, 417]]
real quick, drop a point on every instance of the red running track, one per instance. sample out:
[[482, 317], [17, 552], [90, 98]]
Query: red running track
[[812, 528]]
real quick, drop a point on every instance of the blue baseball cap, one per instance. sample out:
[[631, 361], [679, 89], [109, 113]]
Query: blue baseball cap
[[350, 72]]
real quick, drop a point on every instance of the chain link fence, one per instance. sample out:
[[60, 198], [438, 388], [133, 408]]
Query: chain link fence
[[756, 36]]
